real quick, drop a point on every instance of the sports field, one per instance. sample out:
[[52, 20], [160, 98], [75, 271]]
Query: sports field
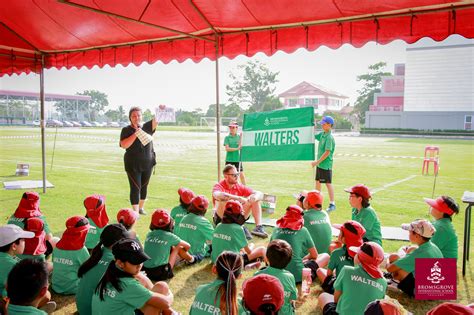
[[88, 161]]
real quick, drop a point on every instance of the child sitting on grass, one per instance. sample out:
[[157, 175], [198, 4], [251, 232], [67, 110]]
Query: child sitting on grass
[[124, 289], [442, 209], [35, 248], [350, 234], [92, 270], [220, 296], [96, 213], [29, 208], [69, 255], [12, 243], [196, 229], [262, 295], [357, 286], [402, 269], [290, 228], [128, 218], [185, 198], [363, 213], [316, 220], [163, 247], [229, 235], [278, 256]]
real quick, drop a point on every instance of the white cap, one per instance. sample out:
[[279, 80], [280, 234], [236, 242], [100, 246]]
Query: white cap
[[9, 233], [421, 227]]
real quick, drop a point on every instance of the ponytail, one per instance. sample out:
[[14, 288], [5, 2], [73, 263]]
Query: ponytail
[[229, 268], [93, 260], [112, 275]]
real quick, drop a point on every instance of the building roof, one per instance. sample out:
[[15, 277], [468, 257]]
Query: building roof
[[308, 88], [48, 96]]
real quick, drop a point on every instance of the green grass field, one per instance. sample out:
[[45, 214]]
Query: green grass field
[[88, 161]]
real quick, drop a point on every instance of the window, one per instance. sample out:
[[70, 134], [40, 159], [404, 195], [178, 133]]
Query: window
[[292, 102], [467, 122], [311, 101]]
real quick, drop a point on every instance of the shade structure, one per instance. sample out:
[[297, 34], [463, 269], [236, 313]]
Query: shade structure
[[85, 33]]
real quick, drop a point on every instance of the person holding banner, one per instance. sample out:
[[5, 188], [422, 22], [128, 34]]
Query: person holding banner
[[140, 157], [230, 189], [323, 164], [232, 143]]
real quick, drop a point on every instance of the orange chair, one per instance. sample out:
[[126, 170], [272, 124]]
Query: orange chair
[[431, 156]]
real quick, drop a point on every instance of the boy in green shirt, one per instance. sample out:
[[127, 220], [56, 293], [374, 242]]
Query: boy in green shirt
[[402, 269], [196, 229], [323, 164], [316, 220], [232, 143], [363, 213], [262, 294], [27, 287], [290, 228], [229, 235], [278, 256], [357, 286], [12, 243], [96, 213], [185, 198], [163, 247]]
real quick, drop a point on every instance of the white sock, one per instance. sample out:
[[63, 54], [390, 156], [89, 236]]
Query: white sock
[[192, 259]]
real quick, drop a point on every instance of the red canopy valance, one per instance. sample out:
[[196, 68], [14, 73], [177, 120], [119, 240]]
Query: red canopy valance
[[102, 32]]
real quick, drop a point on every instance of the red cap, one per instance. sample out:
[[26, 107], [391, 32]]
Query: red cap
[[370, 256], [35, 225], [28, 206], [352, 239], [200, 202], [160, 218], [233, 207], [360, 190], [440, 205], [263, 289], [76, 221], [127, 216], [292, 219], [186, 195], [313, 198], [451, 308]]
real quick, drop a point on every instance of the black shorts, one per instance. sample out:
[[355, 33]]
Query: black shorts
[[236, 164], [245, 258], [330, 309], [323, 176], [407, 285], [328, 284], [160, 273]]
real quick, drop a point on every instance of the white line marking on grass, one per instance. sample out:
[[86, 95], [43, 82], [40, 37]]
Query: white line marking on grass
[[376, 190]]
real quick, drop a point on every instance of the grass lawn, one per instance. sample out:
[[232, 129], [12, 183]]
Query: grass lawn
[[88, 161]]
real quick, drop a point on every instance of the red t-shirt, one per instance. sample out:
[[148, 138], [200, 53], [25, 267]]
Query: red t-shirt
[[237, 190]]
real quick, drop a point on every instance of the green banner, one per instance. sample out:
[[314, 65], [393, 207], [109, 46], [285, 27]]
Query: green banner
[[280, 135]]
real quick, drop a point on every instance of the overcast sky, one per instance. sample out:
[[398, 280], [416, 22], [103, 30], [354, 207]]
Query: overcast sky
[[191, 85]]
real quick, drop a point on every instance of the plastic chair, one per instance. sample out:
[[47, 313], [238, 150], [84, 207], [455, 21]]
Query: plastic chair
[[431, 156]]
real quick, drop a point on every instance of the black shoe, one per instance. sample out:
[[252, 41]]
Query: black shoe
[[248, 236], [388, 275], [259, 231], [142, 211]]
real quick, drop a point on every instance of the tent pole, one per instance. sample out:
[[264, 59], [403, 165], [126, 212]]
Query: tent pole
[[42, 123], [218, 115]]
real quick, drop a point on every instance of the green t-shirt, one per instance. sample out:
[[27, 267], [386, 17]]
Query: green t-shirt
[[158, 244], [369, 220], [24, 310], [358, 289], [339, 258], [425, 250], [207, 299], [197, 231], [89, 281], [66, 263], [445, 238], [300, 241], [227, 236], [326, 142], [287, 280], [21, 222], [232, 142], [93, 235], [7, 262], [133, 296], [178, 213], [319, 227]]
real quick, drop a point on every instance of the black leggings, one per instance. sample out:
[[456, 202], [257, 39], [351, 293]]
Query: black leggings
[[138, 185]]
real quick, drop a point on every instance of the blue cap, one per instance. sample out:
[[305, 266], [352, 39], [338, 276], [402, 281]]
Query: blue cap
[[327, 119]]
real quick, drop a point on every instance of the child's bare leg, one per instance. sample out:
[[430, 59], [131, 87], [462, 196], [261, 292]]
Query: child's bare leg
[[257, 253], [162, 288], [322, 274], [173, 256], [325, 298], [393, 257], [185, 255], [322, 260]]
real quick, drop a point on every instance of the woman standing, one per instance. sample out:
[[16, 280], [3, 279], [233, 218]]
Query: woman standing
[[139, 156]]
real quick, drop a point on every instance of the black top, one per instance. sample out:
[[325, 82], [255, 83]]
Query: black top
[[138, 157]]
